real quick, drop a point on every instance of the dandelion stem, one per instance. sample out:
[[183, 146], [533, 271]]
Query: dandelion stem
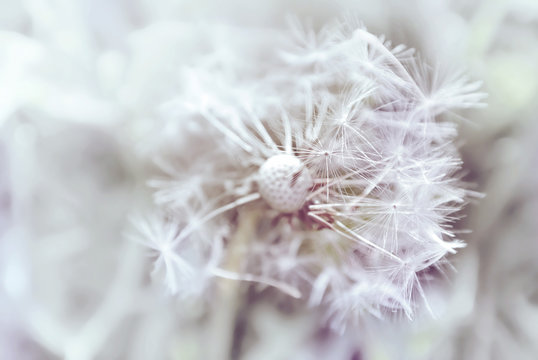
[[225, 312]]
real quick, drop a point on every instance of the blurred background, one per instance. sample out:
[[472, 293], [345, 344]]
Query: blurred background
[[80, 81]]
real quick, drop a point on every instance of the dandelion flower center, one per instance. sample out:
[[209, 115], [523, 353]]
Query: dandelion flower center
[[284, 182]]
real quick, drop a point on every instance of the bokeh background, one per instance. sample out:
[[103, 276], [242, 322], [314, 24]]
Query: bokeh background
[[80, 84]]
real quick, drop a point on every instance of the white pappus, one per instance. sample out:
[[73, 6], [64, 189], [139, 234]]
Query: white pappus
[[340, 144]]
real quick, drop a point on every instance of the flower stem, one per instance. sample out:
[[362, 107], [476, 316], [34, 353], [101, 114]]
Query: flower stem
[[225, 310]]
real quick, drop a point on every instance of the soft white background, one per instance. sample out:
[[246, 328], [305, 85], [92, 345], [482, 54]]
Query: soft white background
[[79, 81]]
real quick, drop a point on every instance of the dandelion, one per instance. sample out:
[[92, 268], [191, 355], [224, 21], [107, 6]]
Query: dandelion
[[338, 147]]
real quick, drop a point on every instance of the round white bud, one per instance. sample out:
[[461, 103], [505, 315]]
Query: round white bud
[[284, 182]]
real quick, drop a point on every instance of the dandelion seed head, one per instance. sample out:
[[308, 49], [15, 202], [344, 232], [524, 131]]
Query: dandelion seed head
[[342, 135]]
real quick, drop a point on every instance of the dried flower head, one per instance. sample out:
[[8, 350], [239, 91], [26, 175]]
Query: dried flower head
[[337, 146]]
